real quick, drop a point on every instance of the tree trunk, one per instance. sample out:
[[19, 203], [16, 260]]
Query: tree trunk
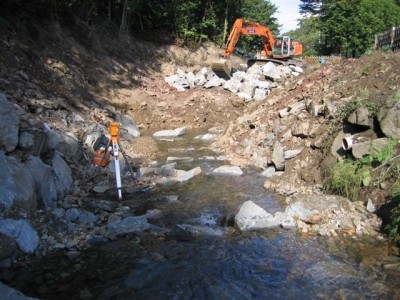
[[206, 5], [225, 24], [124, 20], [109, 10]]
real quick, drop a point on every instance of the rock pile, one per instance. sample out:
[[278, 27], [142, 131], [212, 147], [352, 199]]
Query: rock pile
[[254, 84], [287, 134], [325, 215]]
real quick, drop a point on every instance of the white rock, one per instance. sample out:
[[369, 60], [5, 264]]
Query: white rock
[[228, 170], [259, 94], [232, 85], [269, 172], [251, 216], [292, 153], [206, 137], [170, 133], [174, 159], [213, 82]]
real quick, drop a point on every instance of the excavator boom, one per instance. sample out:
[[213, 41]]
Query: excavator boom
[[246, 27]]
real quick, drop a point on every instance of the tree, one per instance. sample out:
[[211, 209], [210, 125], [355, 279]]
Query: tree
[[308, 34], [349, 26], [311, 7]]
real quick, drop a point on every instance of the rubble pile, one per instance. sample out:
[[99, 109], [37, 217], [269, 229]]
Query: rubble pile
[[254, 84], [291, 134]]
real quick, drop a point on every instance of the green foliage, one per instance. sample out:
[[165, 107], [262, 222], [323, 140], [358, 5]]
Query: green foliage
[[348, 26], [347, 177], [344, 179], [308, 35], [259, 11], [351, 106]]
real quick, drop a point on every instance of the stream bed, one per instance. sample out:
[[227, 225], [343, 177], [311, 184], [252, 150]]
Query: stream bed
[[225, 264]]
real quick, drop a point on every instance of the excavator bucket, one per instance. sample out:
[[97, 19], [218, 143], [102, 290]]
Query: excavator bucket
[[221, 68]]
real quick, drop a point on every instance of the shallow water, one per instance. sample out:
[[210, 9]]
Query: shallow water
[[267, 264]]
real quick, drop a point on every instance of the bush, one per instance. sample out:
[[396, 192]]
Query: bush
[[344, 179]]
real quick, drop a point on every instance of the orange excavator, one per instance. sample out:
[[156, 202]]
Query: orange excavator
[[281, 50]]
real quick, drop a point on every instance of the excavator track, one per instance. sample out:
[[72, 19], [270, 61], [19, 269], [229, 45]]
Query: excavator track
[[288, 62]]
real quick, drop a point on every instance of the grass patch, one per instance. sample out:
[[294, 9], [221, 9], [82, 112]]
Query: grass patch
[[344, 179], [352, 106], [347, 177]]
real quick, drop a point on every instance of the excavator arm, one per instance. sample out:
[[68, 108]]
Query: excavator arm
[[245, 27]]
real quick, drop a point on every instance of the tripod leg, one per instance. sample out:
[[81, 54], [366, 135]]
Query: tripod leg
[[117, 169], [126, 160]]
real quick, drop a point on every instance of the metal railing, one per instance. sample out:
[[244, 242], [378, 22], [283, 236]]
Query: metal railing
[[389, 39]]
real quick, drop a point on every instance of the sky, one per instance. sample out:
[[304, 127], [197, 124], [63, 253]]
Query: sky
[[288, 13]]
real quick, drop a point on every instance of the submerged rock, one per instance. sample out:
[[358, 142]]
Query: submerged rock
[[228, 170], [170, 132], [130, 225], [188, 232]]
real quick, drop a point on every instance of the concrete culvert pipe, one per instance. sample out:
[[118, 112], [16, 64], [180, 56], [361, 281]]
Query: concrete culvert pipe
[[347, 142]]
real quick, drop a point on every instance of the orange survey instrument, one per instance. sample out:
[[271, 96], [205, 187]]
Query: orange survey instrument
[[114, 130]]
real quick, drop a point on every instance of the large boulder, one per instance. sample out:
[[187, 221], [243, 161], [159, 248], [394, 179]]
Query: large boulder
[[360, 150], [9, 125], [214, 82], [232, 85], [46, 190], [271, 72], [129, 125], [22, 232], [65, 143], [251, 216], [9, 293], [361, 117], [389, 121], [84, 218], [17, 188], [62, 174]]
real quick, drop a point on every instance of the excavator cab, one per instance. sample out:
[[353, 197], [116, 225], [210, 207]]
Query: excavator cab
[[282, 47]]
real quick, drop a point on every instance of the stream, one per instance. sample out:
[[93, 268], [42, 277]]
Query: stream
[[227, 264]]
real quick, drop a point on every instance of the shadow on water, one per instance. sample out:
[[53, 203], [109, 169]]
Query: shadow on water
[[273, 265]]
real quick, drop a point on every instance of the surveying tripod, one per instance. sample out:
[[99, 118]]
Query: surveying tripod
[[116, 147]]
